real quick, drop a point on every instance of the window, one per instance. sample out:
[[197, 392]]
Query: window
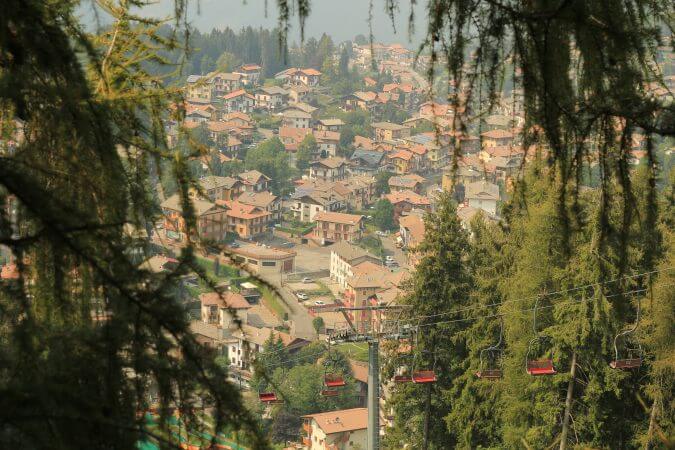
[[269, 263], [252, 261]]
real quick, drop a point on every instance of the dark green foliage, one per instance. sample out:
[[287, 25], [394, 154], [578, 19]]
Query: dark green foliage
[[383, 215], [271, 158], [306, 151], [382, 183]]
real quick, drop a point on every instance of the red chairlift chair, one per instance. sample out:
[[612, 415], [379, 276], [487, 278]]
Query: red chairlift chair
[[269, 398], [633, 359], [541, 366], [424, 376], [490, 359], [333, 380]]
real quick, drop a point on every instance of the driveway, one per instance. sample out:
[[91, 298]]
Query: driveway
[[388, 242]]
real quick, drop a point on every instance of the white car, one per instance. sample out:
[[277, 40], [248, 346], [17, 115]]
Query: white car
[[319, 303], [390, 258], [302, 296], [306, 280]]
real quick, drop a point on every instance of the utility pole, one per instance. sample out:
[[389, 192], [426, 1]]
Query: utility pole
[[568, 403], [373, 395], [372, 337]]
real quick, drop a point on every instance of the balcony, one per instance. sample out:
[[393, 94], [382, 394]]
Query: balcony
[[307, 442], [307, 428]]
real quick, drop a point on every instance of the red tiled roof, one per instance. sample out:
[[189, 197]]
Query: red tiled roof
[[226, 299]]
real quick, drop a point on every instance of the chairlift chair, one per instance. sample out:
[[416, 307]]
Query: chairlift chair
[[329, 392], [424, 376], [333, 379], [538, 367], [633, 359], [490, 359], [269, 397]]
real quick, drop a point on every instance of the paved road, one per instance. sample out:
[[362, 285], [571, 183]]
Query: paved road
[[388, 242]]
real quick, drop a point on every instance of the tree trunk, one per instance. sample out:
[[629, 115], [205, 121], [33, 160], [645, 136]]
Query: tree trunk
[[652, 425], [427, 418], [568, 403]]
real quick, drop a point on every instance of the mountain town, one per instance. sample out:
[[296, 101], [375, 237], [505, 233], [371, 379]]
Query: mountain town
[[337, 245]]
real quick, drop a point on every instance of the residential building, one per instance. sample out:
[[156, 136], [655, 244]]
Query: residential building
[[306, 77], [247, 221], [263, 259], [271, 98], [366, 161], [329, 169], [238, 101], [217, 309], [411, 233], [330, 125], [482, 195], [199, 89], [343, 258], [410, 182], [328, 142], [345, 429], [255, 181], [223, 83], [497, 137], [291, 137], [299, 94], [404, 201], [359, 100], [250, 74], [387, 131], [250, 341], [211, 219], [335, 226], [305, 206], [402, 162], [221, 188], [296, 118], [264, 200]]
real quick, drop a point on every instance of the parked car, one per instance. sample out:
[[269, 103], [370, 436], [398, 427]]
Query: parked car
[[389, 258], [319, 303], [306, 280], [234, 245], [302, 295]]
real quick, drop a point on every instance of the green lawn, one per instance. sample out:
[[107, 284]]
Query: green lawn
[[356, 351], [272, 301]]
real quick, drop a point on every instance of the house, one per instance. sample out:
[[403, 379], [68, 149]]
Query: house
[[482, 195], [387, 131], [409, 182], [211, 336], [359, 100], [220, 188], [250, 74], [404, 201], [264, 200], [345, 429], [217, 308], [344, 257], [335, 226], [247, 221], [223, 83], [402, 162], [211, 219], [197, 116], [299, 94], [250, 341], [464, 174], [411, 233], [366, 161], [296, 118], [292, 137], [328, 142], [159, 263], [497, 137], [364, 286], [263, 259], [329, 125], [238, 101], [199, 89], [255, 181], [271, 98], [306, 205], [296, 76], [329, 169]]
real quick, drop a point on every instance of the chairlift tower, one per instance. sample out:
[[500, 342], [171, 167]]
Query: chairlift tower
[[372, 337]]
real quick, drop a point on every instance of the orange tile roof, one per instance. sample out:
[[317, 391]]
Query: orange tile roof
[[497, 134], [350, 219], [227, 299], [310, 71], [242, 211], [407, 196], [235, 94], [402, 154], [341, 420], [9, 272]]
